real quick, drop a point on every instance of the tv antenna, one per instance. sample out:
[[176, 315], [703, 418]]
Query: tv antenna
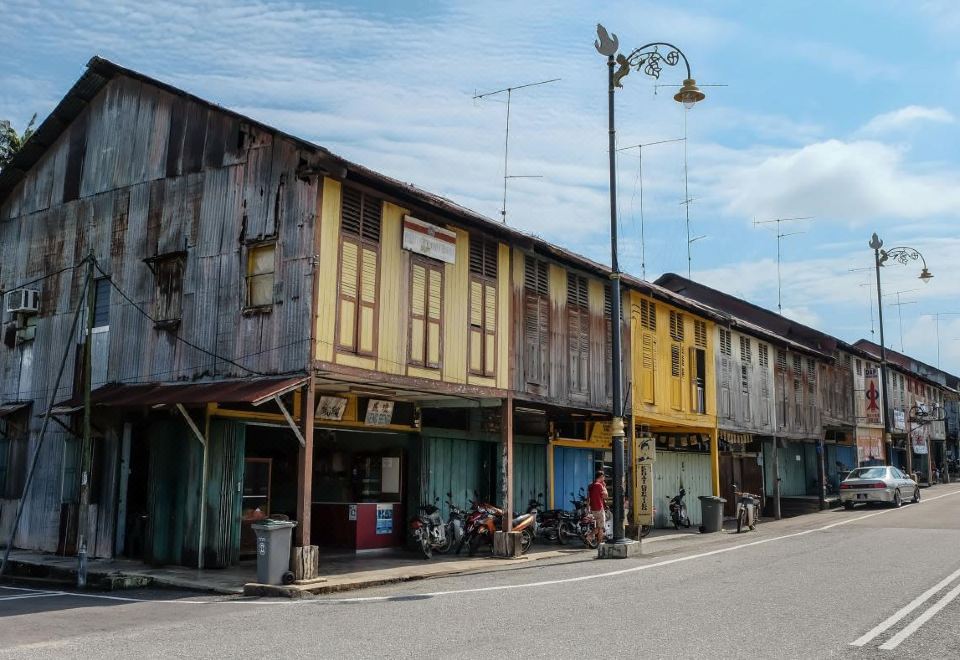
[[506, 140], [639, 148], [869, 304], [899, 305], [780, 236]]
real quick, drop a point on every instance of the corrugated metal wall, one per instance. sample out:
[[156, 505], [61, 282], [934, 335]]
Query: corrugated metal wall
[[223, 500], [459, 467], [529, 474], [174, 495], [572, 470], [795, 474], [674, 469]]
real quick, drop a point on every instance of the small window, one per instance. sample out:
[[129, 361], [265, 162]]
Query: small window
[[101, 303], [676, 361], [261, 266], [169, 275], [676, 326], [14, 458], [700, 334], [782, 360], [745, 350], [764, 355], [726, 346], [648, 314], [859, 366]]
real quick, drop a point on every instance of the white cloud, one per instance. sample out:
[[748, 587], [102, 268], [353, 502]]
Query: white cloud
[[845, 181], [904, 117]]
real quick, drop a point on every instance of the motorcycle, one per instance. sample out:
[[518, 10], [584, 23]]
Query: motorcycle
[[485, 520], [678, 510], [455, 524], [586, 522], [429, 532], [746, 509]]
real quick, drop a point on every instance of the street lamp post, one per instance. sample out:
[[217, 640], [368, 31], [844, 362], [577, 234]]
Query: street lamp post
[[650, 60], [901, 255]]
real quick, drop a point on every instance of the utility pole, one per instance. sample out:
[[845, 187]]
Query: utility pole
[[780, 237], [87, 449]]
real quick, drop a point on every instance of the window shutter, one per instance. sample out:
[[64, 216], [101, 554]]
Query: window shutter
[[418, 307], [648, 367], [490, 329], [349, 272], [434, 317], [536, 320], [351, 212], [676, 373], [368, 301], [476, 326]]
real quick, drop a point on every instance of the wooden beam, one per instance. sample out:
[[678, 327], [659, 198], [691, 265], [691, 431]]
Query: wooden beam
[[191, 424], [508, 463], [290, 421], [305, 468]]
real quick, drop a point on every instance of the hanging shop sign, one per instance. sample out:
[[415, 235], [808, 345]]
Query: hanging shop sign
[[919, 441], [429, 240], [379, 412], [871, 392], [869, 444], [645, 493], [646, 449], [331, 407]]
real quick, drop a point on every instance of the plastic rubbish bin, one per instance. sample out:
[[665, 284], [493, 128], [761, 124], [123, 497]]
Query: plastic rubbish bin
[[273, 551], [711, 508]]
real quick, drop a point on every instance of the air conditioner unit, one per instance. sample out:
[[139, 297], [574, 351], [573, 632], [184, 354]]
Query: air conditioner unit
[[23, 301]]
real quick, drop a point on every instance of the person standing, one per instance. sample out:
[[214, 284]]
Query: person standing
[[597, 495]]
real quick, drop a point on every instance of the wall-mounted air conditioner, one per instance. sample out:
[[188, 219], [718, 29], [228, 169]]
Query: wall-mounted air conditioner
[[23, 301]]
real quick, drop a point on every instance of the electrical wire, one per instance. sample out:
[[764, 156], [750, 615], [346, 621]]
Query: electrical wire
[[24, 285]]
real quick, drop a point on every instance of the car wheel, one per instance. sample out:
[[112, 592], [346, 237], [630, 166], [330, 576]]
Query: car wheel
[[848, 506], [896, 499], [916, 496]]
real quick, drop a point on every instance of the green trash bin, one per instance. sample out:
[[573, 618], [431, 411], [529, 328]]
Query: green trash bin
[[273, 551], [711, 508]]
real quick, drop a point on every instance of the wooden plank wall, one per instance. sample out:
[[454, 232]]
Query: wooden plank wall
[[141, 172], [750, 413], [805, 424]]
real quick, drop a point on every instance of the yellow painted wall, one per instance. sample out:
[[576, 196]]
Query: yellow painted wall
[[662, 411], [391, 354]]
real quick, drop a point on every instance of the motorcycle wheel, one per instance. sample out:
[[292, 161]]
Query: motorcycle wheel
[[425, 548], [686, 523], [645, 530], [590, 539], [526, 540], [447, 543], [741, 521], [676, 523], [474, 545], [566, 532]]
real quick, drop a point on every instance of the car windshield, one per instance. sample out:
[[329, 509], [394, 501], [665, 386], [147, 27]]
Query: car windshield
[[869, 473]]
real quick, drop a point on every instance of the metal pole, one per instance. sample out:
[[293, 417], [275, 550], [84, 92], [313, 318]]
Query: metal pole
[[876, 244], [86, 456], [776, 459], [617, 430]]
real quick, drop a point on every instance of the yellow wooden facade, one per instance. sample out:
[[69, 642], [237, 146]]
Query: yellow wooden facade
[[423, 320]]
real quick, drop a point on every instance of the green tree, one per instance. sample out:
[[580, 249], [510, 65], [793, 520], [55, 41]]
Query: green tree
[[11, 142]]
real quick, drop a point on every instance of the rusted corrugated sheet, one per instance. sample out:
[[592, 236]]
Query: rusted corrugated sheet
[[118, 395]]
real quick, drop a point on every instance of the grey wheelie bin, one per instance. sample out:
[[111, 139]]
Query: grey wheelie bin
[[273, 551], [711, 508]]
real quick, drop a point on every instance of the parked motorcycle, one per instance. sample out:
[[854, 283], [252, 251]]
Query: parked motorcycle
[[429, 531], [455, 524], [746, 509], [586, 522], [678, 510], [479, 525]]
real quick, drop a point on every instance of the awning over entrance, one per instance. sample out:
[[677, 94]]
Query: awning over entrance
[[736, 438], [10, 407], [253, 391]]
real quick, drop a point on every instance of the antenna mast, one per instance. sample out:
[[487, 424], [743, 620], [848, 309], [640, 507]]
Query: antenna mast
[[780, 236], [506, 138]]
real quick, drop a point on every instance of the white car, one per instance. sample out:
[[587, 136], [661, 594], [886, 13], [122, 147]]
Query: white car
[[878, 483]]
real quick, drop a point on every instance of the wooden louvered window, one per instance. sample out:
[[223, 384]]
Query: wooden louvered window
[[360, 216], [859, 365], [578, 334], [536, 321], [168, 272], [700, 334], [676, 376], [782, 360], [746, 352], [648, 315], [764, 355], [426, 313], [676, 326], [483, 306], [608, 339], [726, 345], [811, 375]]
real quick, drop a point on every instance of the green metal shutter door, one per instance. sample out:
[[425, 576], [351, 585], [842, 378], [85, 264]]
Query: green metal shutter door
[[674, 469], [529, 474], [173, 494], [223, 500], [456, 466]]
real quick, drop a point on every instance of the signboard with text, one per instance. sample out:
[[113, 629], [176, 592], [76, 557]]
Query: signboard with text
[[379, 412], [871, 392], [429, 240]]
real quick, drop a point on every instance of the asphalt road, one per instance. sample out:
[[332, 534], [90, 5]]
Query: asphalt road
[[807, 587]]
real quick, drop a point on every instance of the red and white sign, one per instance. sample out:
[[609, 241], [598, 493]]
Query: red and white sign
[[871, 391], [430, 240]]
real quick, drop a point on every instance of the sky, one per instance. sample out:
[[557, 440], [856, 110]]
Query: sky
[[845, 112]]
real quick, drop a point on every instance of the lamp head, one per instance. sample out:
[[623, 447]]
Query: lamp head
[[689, 94], [925, 276]]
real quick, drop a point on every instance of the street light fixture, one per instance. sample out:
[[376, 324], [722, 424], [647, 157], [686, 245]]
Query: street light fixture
[[903, 256], [650, 60]]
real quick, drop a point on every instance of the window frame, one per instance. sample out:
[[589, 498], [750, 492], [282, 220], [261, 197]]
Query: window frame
[[249, 276], [486, 276], [362, 239], [430, 266]]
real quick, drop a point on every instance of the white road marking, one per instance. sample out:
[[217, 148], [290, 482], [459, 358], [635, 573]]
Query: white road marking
[[907, 609], [894, 641], [45, 594], [505, 587]]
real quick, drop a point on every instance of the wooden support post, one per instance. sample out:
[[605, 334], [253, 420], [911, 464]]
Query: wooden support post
[[305, 562], [507, 431], [715, 460]]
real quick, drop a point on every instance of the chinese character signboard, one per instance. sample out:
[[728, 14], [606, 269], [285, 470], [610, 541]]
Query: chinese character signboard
[[430, 240], [379, 413], [871, 392], [646, 455], [331, 407]]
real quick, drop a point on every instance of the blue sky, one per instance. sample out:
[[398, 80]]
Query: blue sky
[[846, 112]]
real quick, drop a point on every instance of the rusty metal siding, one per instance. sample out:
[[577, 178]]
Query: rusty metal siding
[[102, 186]]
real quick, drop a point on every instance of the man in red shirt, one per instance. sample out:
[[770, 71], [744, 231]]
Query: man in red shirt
[[597, 494]]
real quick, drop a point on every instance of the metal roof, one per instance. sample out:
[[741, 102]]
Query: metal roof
[[253, 391], [100, 71]]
